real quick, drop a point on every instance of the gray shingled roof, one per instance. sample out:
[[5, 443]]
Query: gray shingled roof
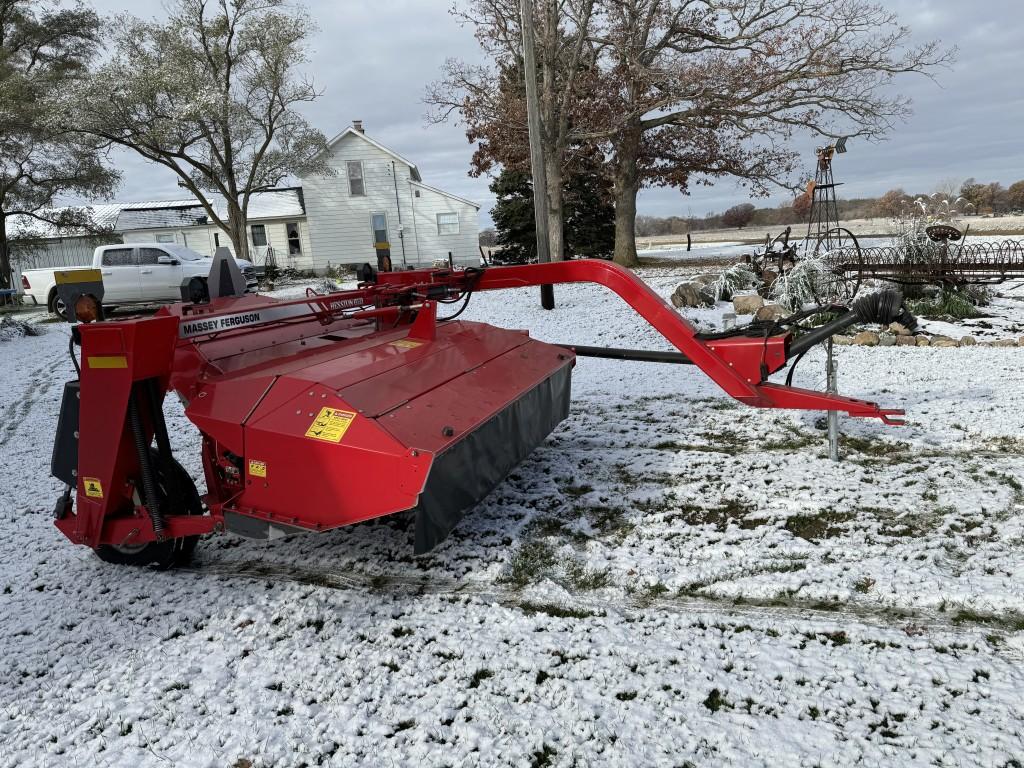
[[171, 214]]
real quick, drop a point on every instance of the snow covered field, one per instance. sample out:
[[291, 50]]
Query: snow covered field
[[672, 579]]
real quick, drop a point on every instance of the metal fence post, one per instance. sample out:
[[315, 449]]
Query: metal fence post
[[832, 387]]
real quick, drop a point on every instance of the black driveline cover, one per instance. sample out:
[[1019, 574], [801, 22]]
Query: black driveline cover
[[472, 467]]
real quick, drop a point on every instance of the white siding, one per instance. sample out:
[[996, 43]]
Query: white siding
[[435, 246], [340, 223], [201, 240]]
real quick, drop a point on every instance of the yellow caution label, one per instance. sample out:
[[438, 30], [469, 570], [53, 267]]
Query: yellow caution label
[[71, 276], [257, 468], [406, 344], [108, 361], [330, 425], [93, 487]]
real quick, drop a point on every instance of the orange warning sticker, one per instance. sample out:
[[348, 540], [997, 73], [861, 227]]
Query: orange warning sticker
[[331, 425], [406, 344], [257, 468], [93, 487]]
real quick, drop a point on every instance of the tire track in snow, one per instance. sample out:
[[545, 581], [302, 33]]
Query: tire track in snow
[[39, 383], [912, 621]]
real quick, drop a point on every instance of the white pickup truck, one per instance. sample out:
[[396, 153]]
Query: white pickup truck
[[133, 273]]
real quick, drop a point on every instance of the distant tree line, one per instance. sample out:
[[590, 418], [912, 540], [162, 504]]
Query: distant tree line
[[981, 198]]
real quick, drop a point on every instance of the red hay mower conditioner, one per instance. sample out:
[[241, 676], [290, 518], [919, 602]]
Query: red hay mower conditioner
[[332, 409]]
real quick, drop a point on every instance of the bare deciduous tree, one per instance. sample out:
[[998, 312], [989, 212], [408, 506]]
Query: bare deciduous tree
[[43, 52], [212, 95], [491, 100], [685, 91], [755, 72]]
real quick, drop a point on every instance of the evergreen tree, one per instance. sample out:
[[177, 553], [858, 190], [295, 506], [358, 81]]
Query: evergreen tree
[[589, 214]]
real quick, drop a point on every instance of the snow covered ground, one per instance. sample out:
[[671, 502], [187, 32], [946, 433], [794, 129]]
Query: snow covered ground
[[672, 579]]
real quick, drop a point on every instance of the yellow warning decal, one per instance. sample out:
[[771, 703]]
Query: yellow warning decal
[[257, 468], [406, 344], [93, 487], [108, 361], [330, 425]]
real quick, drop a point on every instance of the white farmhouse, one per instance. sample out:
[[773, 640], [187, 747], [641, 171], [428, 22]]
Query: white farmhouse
[[377, 198], [375, 202]]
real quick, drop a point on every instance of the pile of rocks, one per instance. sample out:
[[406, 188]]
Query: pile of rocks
[[898, 336], [695, 293]]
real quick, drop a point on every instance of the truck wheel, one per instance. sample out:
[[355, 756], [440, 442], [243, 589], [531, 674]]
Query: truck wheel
[[160, 554], [57, 306]]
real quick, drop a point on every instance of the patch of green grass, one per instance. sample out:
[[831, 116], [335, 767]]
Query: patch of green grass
[[1013, 622], [827, 524], [610, 522], [716, 700], [584, 578], [479, 676], [873, 446], [543, 757], [863, 585], [555, 610], [575, 491], [404, 725], [625, 695], [948, 305], [534, 558]]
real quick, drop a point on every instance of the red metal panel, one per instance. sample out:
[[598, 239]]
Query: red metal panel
[[428, 366], [106, 455], [444, 415], [322, 484]]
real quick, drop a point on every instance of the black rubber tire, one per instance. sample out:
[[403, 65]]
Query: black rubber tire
[[160, 555], [56, 306]]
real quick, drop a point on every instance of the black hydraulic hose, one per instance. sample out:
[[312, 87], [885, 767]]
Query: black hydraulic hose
[[618, 353], [883, 307], [148, 481]]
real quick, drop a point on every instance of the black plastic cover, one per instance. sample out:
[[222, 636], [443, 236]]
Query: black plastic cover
[[64, 463], [472, 467]]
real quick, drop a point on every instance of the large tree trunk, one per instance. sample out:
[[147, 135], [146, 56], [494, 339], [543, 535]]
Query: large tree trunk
[[237, 233], [627, 185], [556, 221], [5, 256]]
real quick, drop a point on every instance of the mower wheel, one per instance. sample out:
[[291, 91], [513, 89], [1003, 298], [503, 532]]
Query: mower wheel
[[160, 554]]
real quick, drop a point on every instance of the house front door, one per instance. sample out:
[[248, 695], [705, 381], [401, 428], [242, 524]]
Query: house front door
[[381, 243]]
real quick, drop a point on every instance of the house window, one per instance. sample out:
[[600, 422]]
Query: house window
[[379, 224], [447, 223], [166, 237], [294, 241], [259, 235], [356, 188], [216, 239]]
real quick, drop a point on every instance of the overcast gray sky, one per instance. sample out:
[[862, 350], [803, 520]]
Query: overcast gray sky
[[373, 60]]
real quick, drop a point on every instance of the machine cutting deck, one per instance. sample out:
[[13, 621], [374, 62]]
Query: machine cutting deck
[[324, 411]]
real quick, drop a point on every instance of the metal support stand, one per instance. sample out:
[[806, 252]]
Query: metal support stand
[[832, 387]]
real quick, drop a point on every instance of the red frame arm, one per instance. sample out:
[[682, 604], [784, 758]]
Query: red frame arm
[[739, 364]]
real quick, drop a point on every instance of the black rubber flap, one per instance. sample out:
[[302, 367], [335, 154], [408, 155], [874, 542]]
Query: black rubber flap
[[472, 467], [64, 462]]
